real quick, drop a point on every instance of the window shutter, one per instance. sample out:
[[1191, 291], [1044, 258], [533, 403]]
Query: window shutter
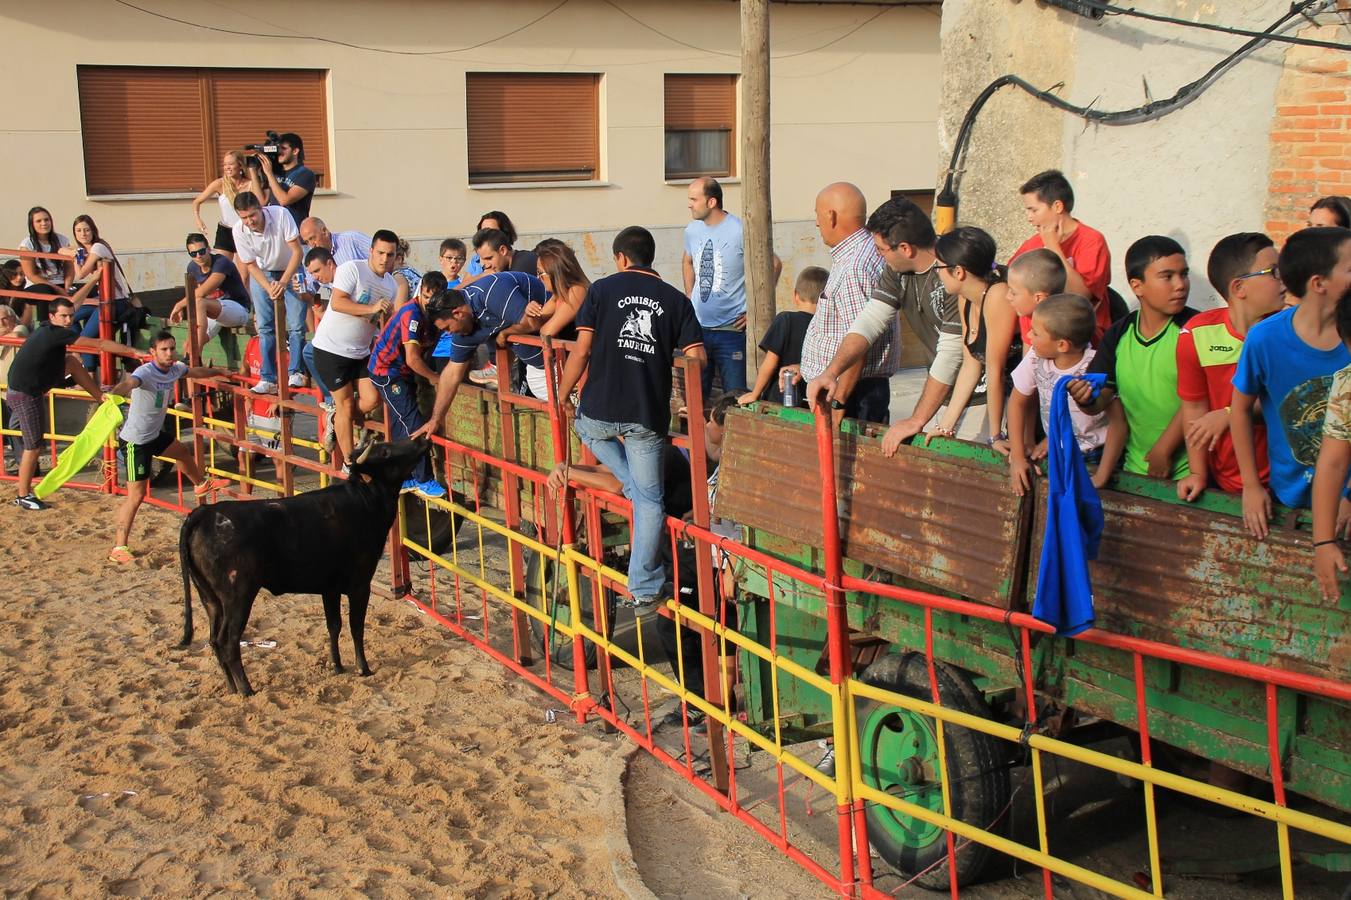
[[507, 140], [142, 129], [246, 103], [701, 102]]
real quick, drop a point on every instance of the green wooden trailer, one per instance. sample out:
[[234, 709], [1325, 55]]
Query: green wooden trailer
[[942, 519]]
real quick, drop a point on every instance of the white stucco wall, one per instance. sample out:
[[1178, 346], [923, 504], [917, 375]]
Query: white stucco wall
[[1197, 174]]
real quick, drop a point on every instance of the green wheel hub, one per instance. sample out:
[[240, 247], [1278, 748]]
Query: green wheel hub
[[899, 751]]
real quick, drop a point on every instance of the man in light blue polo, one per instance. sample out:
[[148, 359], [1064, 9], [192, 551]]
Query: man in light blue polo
[[715, 282]]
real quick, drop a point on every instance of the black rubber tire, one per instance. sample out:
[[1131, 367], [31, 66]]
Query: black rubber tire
[[977, 771]]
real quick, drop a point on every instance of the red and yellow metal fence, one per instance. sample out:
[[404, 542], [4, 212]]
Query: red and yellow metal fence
[[525, 571]]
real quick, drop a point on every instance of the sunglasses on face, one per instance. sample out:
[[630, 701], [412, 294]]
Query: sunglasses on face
[[202, 252], [1272, 271]]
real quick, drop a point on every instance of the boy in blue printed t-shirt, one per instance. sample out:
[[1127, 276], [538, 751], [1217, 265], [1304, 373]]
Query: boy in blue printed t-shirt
[[1287, 365]]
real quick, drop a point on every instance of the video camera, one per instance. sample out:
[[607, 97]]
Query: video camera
[[267, 148]]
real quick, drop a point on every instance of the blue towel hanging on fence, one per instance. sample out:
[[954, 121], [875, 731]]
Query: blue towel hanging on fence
[[1073, 523]]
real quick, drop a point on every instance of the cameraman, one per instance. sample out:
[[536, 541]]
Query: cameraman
[[293, 188]]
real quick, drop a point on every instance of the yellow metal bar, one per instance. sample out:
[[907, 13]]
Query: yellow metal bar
[[492, 589], [1209, 793], [1152, 834], [1002, 844], [1287, 873]]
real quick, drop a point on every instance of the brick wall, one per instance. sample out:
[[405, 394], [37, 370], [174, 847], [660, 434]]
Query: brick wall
[[1310, 137]]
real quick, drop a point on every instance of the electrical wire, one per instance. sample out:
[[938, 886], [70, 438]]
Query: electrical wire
[[1144, 113], [1132, 12], [338, 43], [816, 49]]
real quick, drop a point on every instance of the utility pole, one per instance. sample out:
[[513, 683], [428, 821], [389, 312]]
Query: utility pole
[[756, 213]]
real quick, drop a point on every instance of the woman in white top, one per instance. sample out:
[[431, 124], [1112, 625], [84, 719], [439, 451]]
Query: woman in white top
[[92, 255], [236, 178], [44, 276]]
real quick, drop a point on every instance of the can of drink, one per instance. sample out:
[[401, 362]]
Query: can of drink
[[787, 382], [80, 255]]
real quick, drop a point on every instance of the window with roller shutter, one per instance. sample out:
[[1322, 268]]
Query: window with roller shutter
[[503, 112], [700, 126], [149, 130]]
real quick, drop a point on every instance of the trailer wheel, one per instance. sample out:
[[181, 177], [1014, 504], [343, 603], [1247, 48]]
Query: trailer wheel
[[899, 755], [553, 643]]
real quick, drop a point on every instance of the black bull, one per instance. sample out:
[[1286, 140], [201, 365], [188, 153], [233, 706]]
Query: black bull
[[325, 542]]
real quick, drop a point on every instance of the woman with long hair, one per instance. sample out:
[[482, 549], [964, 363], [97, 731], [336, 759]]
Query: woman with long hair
[[92, 254], [557, 266], [234, 178], [44, 276], [966, 266]]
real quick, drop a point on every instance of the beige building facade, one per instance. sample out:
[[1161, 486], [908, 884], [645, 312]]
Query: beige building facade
[[855, 93]]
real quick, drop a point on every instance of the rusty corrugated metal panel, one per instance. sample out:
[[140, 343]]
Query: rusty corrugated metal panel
[[941, 522], [1195, 578]]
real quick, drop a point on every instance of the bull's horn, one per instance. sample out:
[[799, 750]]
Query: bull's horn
[[365, 452]]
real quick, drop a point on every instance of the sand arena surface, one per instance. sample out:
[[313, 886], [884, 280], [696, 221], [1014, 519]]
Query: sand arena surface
[[438, 775]]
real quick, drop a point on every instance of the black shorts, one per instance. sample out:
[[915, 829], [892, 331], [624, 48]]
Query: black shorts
[[339, 371], [225, 239], [140, 456]]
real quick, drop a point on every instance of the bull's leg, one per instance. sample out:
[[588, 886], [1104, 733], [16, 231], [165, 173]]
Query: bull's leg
[[357, 601], [215, 616], [333, 616], [233, 631]]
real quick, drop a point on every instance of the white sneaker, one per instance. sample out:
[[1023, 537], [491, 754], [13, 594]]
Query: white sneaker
[[296, 380], [264, 387]]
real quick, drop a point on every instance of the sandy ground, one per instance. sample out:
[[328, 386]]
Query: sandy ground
[[128, 771]]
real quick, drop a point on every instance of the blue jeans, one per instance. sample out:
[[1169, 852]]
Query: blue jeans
[[637, 463], [87, 323], [727, 352], [308, 355], [267, 338], [400, 396]]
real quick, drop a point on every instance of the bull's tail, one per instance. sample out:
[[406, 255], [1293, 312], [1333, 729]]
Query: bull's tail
[[185, 563]]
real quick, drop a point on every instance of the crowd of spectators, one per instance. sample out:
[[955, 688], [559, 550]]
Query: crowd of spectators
[[1251, 397]]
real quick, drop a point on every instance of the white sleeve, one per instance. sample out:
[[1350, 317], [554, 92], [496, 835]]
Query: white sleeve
[[242, 248], [288, 224], [347, 279], [101, 251], [947, 358], [1024, 379], [873, 321]]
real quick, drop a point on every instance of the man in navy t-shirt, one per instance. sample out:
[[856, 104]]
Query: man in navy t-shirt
[[628, 330], [292, 187], [494, 304]]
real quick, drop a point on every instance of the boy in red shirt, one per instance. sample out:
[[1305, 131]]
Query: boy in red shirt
[[1048, 201], [1242, 268]]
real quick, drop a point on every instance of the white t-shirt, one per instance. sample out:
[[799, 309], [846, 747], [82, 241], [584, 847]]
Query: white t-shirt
[[347, 335], [52, 269], [228, 217], [120, 289], [1035, 375], [269, 249], [149, 401]]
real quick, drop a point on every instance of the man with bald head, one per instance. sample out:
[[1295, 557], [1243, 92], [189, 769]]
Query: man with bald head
[[715, 281], [855, 265], [345, 246]]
